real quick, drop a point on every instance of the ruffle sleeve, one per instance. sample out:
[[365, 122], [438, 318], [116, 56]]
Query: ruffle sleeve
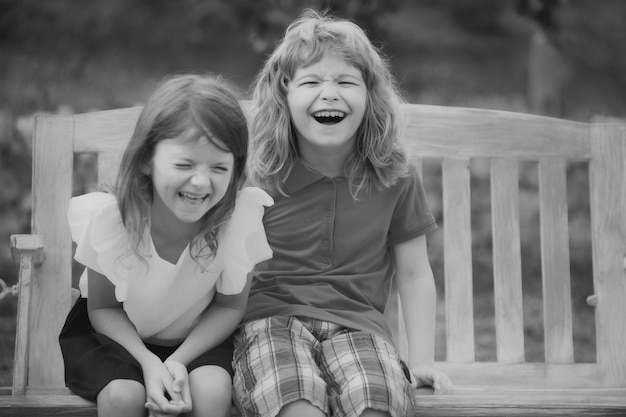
[[101, 240], [243, 243]]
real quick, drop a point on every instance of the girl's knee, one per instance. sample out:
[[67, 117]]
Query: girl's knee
[[122, 397], [211, 391]]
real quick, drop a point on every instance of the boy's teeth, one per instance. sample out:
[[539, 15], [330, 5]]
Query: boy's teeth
[[329, 117]]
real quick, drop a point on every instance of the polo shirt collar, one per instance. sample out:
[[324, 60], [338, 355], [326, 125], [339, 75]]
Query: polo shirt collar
[[300, 177]]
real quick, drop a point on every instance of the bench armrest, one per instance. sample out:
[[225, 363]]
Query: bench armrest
[[28, 251], [26, 243]]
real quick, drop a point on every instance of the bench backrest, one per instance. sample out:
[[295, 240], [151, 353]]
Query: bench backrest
[[453, 137]]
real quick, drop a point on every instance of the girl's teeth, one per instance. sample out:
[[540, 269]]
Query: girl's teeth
[[193, 198]]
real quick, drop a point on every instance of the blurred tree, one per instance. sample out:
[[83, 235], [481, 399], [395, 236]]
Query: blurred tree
[[265, 20], [483, 17], [585, 37], [96, 21]]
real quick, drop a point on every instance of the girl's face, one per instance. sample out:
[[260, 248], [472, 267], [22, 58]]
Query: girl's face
[[190, 175], [327, 102]]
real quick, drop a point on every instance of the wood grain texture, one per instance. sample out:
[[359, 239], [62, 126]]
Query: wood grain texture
[[608, 208], [554, 235], [507, 265], [457, 230], [50, 283]]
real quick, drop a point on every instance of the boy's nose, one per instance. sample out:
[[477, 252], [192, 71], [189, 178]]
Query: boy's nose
[[329, 92]]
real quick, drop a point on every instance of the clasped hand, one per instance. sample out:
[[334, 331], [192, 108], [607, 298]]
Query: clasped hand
[[167, 389]]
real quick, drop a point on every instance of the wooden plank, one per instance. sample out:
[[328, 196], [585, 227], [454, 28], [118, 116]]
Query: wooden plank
[[22, 336], [608, 230], [50, 300], [525, 375], [507, 268], [108, 130], [480, 401], [490, 402], [27, 249], [458, 261], [455, 132], [554, 235]]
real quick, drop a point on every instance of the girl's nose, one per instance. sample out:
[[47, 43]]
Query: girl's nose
[[201, 179]]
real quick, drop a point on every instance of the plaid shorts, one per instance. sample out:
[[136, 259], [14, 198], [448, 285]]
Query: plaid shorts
[[342, 372]]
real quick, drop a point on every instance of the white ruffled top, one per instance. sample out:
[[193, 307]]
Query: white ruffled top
[[165, 300]]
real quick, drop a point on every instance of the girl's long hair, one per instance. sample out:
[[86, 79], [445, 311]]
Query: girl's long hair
[[378, 160], [181, 102]]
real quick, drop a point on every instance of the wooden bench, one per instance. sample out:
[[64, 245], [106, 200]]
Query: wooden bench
[[508, 385]]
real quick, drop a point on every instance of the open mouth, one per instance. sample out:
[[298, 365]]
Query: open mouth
[[327, 117], [193, 198]]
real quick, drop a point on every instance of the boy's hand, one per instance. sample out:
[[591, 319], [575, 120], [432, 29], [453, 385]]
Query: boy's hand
[[430, 377]]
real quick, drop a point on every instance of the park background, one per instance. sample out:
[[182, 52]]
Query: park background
[[560, 58]]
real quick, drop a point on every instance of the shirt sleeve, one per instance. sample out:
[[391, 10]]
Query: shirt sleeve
[[412, 217], [243, 243], [101, 240]]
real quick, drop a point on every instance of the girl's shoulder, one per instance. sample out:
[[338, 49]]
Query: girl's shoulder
[[253, 197], [97, 209], [92, 202], [243, 242]]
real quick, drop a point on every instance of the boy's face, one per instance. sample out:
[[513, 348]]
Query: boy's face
[[327, 102], [190, 175]]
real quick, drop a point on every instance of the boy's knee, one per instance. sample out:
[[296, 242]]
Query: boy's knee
[[300, 408], [122, 397]]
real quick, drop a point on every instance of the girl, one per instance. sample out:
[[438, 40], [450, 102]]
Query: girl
[[349, 214], [166, 260]]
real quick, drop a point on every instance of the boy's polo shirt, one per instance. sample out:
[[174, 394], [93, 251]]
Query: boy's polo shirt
[[333, 256]]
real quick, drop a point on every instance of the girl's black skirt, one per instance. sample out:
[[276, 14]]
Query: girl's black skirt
[[92, 360]]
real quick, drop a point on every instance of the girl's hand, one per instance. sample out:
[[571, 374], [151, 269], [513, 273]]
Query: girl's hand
[[430, 377], [180, 392], [159, 382]]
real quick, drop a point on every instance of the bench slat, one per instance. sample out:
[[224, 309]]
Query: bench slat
[[507, 269], [554, 235], [458, 261], [51, 281], [608, 230]]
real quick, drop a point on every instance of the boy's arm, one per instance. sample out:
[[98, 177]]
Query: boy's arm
[[418, 297]]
